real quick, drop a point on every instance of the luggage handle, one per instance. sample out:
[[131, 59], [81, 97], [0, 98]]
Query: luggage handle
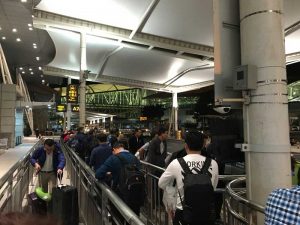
[[59, 178]]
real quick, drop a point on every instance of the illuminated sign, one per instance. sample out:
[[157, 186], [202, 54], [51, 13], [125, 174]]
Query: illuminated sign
[[75, 108], [143, 118], [72, 93], [61, 108]]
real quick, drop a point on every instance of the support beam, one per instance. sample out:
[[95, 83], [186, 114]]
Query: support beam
[[43, 20], [82, 81]]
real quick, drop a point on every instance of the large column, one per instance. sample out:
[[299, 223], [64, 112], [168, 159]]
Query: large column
[[175, 108], [82, 79], [262, 44], [69, 109]]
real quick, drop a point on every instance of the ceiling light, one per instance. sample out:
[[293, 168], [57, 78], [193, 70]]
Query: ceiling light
[[30, 69], [42, 75], [30, 25], [23, 72], [23, 0], [18, 39], [40, 68], [43, 81], [31, 72], [30, 28], [20, 68], [3, 38], [0, 28], [37, 58], [34, 46], [32, 16], [14, 30]]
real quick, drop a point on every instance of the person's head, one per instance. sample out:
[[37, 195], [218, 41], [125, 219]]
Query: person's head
[[137, 132], [49, 145], [80, 129], [194, 141], [102, 137], [117, 147], [162, 133]]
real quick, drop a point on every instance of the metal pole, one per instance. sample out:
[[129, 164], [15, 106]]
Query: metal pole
[[267, 127], [69, 109], [175, 108], [82, 79]]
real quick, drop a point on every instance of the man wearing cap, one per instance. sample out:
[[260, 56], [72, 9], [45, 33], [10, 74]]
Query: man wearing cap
[[48, 161]]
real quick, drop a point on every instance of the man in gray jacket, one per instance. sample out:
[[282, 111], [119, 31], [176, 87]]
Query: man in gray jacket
[[157, 150]]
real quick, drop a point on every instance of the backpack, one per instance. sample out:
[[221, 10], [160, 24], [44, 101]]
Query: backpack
[[198, 202], [131, 185]]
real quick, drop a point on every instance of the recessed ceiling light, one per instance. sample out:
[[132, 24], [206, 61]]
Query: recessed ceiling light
[[32, 16], [31, 72], [33, 43], [23, 72], [30, 28], [18, 39], [30, 25], [37, 58], [0, 28], [3, 38], [40, 68], [14, 30], [34, 46], [23, 0], [21, 68], [30, 69], [43, 81], [42, 75]]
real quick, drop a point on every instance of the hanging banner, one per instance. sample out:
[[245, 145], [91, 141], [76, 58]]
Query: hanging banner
[[61, 108], [72, 93], [75, 108]]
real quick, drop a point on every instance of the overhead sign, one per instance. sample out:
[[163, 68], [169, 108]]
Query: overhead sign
[[72, 93], [75, 108], [61, 108], [143, 118]]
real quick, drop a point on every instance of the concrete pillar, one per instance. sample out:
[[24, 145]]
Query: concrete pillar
[[8, 98], [175, 108], [19, 127], [266, 122], [69, 109], [82, 79]]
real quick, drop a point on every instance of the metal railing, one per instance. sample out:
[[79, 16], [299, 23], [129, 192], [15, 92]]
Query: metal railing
[[237, 210], [14, 184], [97, 202]]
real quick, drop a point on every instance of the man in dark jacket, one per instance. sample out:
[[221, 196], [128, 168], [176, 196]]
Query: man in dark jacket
[[135, 141], [100, 153], [112, 167], [48, 161], [81, 138], [157, 150]]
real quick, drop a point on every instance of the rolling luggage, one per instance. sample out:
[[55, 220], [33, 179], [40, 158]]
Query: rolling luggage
[[38, 206], [65, 204]]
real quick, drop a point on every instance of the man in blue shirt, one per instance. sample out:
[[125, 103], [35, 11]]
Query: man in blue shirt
[[112, 167], [100, 153], [48, 161]]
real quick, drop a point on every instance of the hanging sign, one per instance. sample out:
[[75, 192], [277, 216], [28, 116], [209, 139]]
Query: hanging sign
[[61, 108], [72, 93], [75, 108]]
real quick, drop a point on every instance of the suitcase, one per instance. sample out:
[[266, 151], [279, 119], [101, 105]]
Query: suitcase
[[38, 206], [65, 205]]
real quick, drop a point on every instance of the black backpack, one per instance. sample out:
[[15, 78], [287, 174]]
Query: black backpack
[[131, 185], [198, 202]]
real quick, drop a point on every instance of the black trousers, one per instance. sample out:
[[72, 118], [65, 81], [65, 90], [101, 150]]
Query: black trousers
[[178, 219]]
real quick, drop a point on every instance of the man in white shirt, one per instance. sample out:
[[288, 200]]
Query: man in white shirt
[[193, 145]]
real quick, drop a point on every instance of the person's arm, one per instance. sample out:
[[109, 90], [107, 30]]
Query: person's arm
[[61, 160], [104, 169], [168, 176], [35, 156], [215, 177]]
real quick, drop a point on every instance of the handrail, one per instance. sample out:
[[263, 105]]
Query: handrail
[[8, 174], [239, 198], [118, 203]]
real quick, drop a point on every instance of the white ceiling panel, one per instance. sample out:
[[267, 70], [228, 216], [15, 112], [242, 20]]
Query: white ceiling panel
[[291, 12], [292, 42], [188, 20], [195, 77], [147, 66], [120, 13]]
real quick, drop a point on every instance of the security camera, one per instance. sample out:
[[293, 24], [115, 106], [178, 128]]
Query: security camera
[[223, 109]]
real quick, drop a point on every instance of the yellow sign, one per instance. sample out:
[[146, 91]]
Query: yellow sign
[[61, 108], [72, 93], [143, 118], [75, 108]]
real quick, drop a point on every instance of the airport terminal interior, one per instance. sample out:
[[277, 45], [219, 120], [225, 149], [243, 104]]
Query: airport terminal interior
[[73, 71]]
